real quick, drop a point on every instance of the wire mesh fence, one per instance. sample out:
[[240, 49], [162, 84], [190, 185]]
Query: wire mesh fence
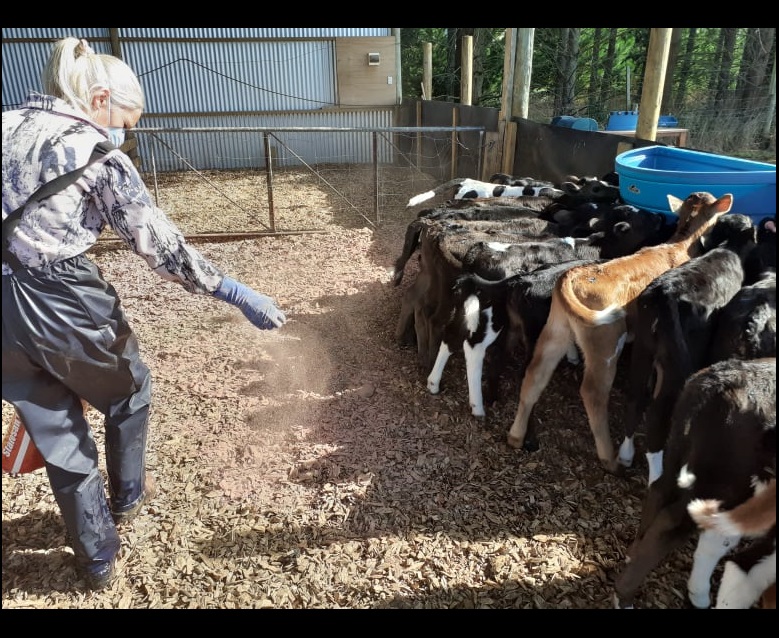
[[253, 180]]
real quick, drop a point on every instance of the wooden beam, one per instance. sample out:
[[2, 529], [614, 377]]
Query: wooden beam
[[466, 75], [654, 79]]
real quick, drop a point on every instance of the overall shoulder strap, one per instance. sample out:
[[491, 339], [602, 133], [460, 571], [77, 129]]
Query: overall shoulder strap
[[46, 190]]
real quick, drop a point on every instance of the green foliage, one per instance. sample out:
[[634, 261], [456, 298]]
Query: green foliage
[[706, 87]]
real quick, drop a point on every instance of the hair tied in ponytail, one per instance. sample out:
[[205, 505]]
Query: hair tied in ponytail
[[84, 48]]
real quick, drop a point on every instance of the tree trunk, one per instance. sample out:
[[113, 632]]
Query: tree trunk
[[452, 65], [607, 79], [673, 56], [594, 108], [727, 44], [569, 42], [481, 39], [755, 65], [684, 72]]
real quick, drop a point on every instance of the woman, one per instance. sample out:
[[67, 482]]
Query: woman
[[65, 335]]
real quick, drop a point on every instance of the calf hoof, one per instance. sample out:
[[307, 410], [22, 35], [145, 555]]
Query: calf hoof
[[699, 600], [614, 467], [514, 441], [531, 445]]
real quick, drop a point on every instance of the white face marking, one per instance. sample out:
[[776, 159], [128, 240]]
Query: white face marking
[[570, 241], [498, 247]]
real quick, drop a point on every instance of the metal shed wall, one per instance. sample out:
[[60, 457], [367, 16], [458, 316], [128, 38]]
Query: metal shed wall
[[222, 77]]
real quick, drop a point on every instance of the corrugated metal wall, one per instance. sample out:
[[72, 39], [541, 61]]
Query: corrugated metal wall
[[224, 77]]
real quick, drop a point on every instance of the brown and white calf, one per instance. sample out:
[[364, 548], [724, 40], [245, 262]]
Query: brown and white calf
[[593, 305], [722, 447]]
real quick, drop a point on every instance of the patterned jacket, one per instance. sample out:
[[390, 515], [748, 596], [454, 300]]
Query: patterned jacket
[[47, 138]]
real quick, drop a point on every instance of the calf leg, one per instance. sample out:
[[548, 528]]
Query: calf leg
[[667, 531], [474, 365], [712, 546], [552, 345], [434, 378], [639, 376], [602, 346], [422, 328], [658, 417], [748, 575], [404, 330]]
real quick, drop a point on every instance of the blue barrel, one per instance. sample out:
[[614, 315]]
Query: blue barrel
[[667, 121], [578, 123], [622, 121]]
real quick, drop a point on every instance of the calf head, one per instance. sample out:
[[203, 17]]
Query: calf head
[[697, 212]]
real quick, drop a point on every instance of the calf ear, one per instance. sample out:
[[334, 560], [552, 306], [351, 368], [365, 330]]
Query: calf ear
[[675, 203], [724, 203], [621, 228]]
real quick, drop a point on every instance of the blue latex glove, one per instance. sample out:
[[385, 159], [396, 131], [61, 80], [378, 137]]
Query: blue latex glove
[[259, 309]]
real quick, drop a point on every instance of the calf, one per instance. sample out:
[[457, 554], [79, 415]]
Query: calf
[[746, 326], [762, 258], [492, 218], [673, 329], [426, 305], [466, 188], [722, 446], [594, 306]]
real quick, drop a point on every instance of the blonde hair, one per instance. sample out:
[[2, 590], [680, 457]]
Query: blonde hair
[[74, 72]]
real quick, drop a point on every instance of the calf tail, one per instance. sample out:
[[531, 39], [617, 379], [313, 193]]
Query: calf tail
[[410, 244], [669, 324], [573, 306], [754, 517], [470, 283]]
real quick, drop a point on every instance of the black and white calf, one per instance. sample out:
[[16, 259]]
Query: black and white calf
[[672, 333], [722, 446], [746, 326], [466, 188]]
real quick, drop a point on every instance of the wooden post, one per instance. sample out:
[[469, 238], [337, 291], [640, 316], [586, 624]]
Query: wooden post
[[466, 75], [269, 178], [427, 71], [523, 64], [455, 122], [506, 107], [375, 141], [654, 78], [420, 139]]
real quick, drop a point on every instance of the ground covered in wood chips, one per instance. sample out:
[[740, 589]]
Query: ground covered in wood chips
[[309, 467]]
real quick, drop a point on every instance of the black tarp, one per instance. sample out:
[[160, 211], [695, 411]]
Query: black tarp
[[551, 153]]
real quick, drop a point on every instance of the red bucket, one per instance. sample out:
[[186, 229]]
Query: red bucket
[[20, 455]]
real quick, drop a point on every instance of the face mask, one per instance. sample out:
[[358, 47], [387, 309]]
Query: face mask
[[115, 133]]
